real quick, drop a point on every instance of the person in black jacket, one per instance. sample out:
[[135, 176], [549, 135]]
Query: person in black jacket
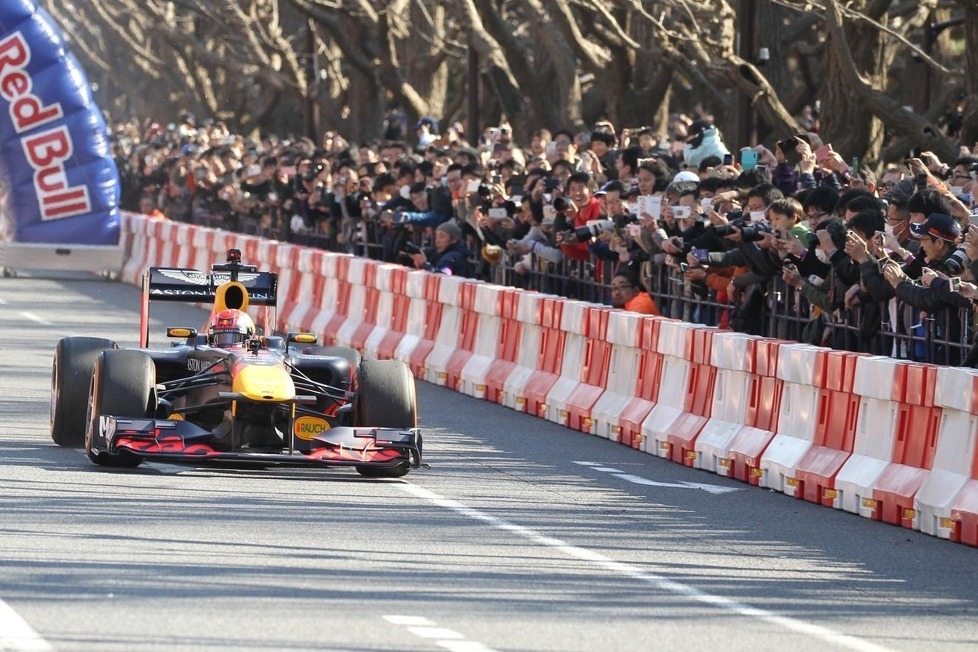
[[450, 256], [939, 235]]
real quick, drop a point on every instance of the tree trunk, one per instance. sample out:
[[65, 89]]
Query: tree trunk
[[969, 130], [862, 98], [852, 130]]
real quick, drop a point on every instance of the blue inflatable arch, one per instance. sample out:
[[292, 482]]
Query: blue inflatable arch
[[59, 181]]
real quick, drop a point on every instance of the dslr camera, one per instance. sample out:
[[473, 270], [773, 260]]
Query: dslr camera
[[957, 262], [754, 231], [736, 221], [588, 231]]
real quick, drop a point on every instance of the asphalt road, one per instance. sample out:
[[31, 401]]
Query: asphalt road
[[521, 536]]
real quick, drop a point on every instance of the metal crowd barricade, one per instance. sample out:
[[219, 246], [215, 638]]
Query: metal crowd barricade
[[786, 313]]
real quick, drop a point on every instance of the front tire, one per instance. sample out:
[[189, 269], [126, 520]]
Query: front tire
[[122, 386], [350, 355], [71, 373], [387, 399]]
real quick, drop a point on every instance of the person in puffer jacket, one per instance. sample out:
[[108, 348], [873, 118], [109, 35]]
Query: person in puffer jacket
[[703, 140]]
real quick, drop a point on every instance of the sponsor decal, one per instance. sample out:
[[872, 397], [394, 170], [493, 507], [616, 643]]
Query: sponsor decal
[[174, 292], [106, 427], [196, 365], [46, 151], [308, 427]]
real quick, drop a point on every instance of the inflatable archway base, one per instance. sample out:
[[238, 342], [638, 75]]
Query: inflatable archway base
[[16, 256], [59, 203]]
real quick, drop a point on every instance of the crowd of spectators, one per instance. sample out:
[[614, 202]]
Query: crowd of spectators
[[794, 240]]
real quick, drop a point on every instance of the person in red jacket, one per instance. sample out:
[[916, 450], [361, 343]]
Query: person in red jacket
[[580, 190]]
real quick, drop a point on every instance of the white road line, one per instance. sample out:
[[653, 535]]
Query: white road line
[[16, 635], [463, 646], [419, 621], [809, 629], [442, 637], [637, 479], [34, 318], [435, 632]]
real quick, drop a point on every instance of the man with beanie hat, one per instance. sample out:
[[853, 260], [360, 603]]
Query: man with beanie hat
[[450, 256]]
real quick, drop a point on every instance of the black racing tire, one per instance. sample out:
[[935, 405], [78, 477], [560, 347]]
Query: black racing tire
[[71, 374], [122, 385], [387, 399], [398, 471], [350, 355]]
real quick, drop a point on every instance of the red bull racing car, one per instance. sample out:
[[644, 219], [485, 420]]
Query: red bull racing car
[[230, 395]]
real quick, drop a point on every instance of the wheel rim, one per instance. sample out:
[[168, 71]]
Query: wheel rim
[[55, 384], [89, 411]]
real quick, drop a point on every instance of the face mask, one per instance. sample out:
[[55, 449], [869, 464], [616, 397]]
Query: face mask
[[822, 256], [888, 228], [405, 192], [757, 216]]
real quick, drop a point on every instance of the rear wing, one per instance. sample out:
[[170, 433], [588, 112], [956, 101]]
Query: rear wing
[[194, 286], [230, 285]]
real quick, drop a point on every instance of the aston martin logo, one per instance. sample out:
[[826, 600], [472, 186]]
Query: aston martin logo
[[191, 276], [221, 278], [196, 277]]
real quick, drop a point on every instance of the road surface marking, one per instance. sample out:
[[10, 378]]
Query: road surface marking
[[16, 635], [435, 632], [636, 479], [34, 318], [448, 639], [809, 629], [419, 621]]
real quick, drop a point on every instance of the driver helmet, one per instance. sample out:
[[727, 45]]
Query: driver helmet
[[231, 327]]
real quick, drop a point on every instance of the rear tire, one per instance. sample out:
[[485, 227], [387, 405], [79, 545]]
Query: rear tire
[[71, 375], [387, 399], [122, 385]]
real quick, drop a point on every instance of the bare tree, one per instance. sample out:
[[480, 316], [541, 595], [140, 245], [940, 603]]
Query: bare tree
[[288, 65]]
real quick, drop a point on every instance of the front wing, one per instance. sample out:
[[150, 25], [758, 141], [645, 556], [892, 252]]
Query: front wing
[[181, 442]]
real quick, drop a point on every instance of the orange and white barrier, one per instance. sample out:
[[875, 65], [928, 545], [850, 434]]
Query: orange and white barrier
[[393, 305], [486, 342], [731, 396], [331, 294], [362, 310], [424, 322], [761, 417], [835, 429], [451, 293], [796, 420], [574, 363], [545, 369], [946, 504], [507, 379], [684, 408], [648, 380], [624, 336]]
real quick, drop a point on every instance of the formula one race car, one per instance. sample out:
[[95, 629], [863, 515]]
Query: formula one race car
[[231, 395]]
